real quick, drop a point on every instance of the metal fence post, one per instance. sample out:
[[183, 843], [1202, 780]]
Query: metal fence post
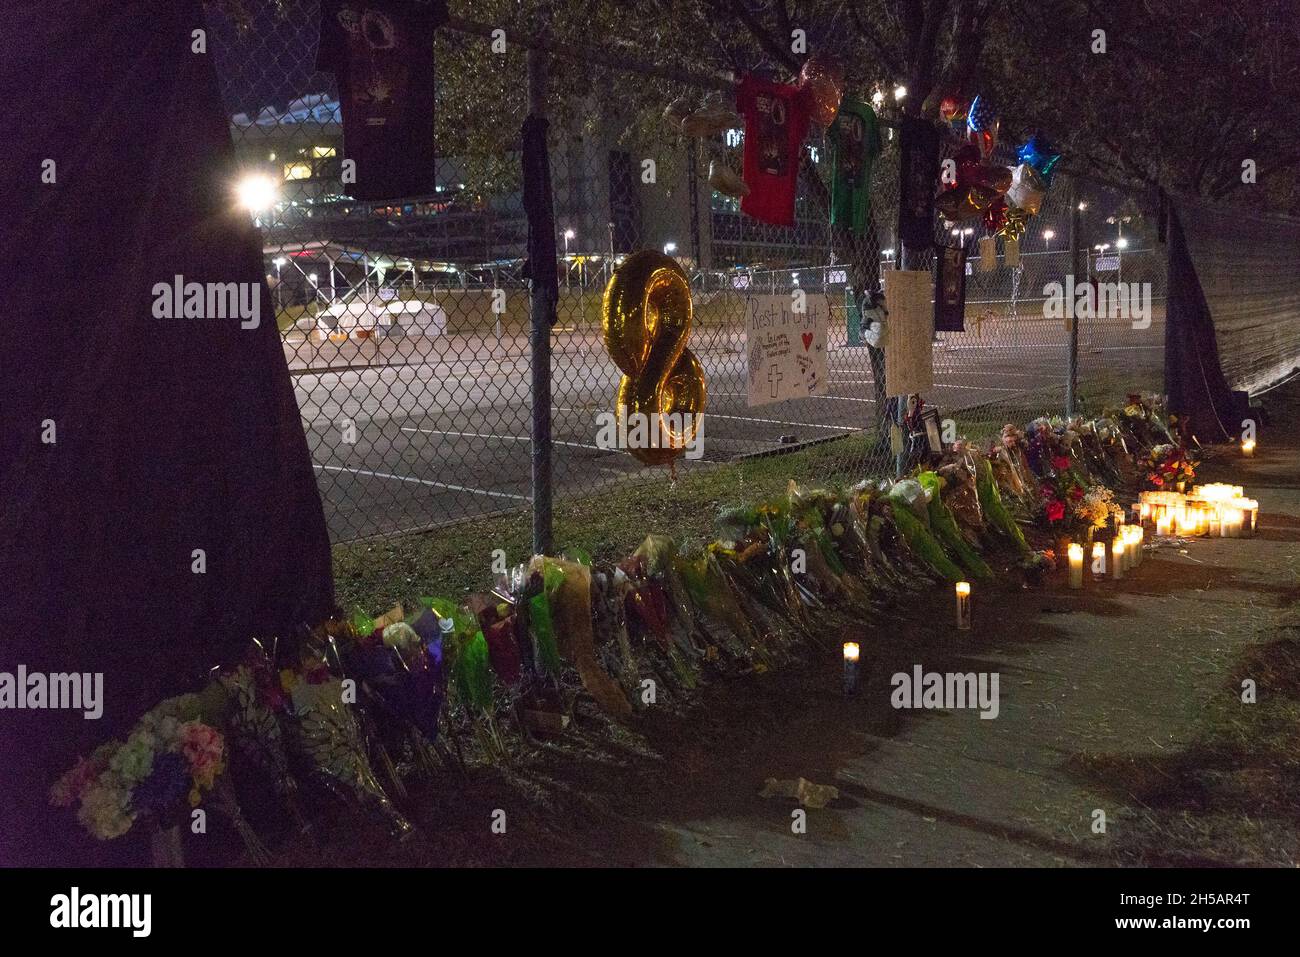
[[1072, 348], [541, 314], [908, 258]]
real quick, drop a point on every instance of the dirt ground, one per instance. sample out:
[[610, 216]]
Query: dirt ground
[[1123, 698]]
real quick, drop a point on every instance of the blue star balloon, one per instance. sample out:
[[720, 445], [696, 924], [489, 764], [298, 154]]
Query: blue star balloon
[[1041, 155]]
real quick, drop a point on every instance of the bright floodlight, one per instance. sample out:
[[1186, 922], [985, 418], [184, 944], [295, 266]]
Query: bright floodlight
[[670, 248], [569, 234], [257, 192], [1048, 234], [1122, 243], [900, 92]]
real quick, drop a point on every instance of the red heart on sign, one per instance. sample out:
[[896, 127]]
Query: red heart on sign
[[807, 340]]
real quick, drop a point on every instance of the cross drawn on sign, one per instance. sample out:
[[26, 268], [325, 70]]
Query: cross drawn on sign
[[774, 376]]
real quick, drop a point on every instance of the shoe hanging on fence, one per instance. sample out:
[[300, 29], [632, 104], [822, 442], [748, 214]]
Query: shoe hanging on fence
[[724, 179], [709, 120]]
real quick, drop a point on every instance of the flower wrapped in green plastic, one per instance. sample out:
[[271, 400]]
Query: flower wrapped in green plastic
[[944, 527], [995, 513]]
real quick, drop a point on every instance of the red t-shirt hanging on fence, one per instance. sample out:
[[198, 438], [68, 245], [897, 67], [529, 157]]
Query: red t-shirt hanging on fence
[[776, 120]]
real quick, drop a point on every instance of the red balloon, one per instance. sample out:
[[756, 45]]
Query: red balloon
[[822, 80]]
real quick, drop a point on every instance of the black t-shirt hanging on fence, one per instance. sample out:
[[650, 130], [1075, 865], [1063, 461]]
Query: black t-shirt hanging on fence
[[381, 53]]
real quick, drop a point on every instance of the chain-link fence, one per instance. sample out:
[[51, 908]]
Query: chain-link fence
[[405, 323]]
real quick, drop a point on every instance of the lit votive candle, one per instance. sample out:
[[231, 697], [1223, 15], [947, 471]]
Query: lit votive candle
[[1164, 524], [1248, 447], [963, 606], [850, 667], [1098, 560], [1232, 519], [1076, 565], [1117, 549]]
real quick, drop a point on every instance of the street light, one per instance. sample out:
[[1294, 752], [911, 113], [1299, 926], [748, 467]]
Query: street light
[[257, 192], [1048, 236], [568, 234], [278, 261], [900, 91], [670, 248]]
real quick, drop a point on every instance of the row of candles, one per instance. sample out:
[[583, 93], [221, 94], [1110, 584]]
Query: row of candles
[[1123, 555], [1218, 510]]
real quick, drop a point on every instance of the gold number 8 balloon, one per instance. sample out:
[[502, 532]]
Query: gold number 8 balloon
[[646, 317]]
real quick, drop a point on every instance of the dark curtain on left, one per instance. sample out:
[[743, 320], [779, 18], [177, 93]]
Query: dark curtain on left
[[171, 435]]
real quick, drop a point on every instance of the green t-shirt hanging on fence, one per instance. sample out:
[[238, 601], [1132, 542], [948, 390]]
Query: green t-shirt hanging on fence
[[855, 144]]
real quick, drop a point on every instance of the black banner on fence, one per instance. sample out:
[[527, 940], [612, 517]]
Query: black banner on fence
[[917, 179]]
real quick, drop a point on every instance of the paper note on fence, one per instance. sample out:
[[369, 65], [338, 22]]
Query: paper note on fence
[[786, 349], [909, 354]]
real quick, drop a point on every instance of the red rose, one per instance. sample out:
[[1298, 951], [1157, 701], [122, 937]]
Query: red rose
[[1060, 462], [1076, 493], [1055, 511], [1157, 480]]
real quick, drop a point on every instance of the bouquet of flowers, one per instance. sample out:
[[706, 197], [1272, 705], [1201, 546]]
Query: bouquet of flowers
[[167, 763], [1008, 457], [258, 703], [1095, 509], [327, 735], [1169, 467], [1142, 419]]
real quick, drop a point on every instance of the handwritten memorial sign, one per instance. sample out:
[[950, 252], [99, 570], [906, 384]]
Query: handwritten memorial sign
[[786, 348]]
